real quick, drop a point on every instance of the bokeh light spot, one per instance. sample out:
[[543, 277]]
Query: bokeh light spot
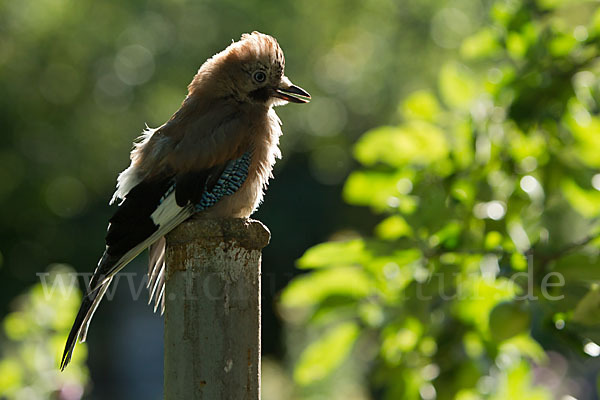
[[134, 64]]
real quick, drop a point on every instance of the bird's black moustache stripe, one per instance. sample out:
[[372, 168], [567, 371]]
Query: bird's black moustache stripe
[[261, 94]]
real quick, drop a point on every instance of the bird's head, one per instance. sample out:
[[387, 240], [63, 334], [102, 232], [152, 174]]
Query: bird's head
[[250, 70]]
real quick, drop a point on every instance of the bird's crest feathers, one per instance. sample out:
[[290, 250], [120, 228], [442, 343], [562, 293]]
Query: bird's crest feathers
[[237, 62]]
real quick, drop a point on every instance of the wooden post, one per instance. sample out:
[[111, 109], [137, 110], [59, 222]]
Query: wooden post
[[212, 309]]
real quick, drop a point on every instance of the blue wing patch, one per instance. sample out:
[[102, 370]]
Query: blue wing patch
[[195, 187], [233, 177]]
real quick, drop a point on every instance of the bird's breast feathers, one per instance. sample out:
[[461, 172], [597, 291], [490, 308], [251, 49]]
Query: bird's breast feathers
[[265, 152]]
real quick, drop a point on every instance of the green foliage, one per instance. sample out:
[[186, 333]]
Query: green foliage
[[35, 333], [488, 193], [508, 319], [325, 354]]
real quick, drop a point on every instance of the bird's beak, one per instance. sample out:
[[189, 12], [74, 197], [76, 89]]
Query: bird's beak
[[292, 93]]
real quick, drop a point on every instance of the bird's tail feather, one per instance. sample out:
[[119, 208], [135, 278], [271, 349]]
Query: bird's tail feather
[[88, 317], [89, 304], [156, 274], [84, 309], [180, 215]]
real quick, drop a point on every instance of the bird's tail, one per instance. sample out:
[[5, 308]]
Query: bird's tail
[[86, 304], [88, 317], [156, 274], [89, 304]]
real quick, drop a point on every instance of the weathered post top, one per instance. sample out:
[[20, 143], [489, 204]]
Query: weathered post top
[[212, 309], [209, 233]]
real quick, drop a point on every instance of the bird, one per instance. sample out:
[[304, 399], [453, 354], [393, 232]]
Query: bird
[[214, 157]]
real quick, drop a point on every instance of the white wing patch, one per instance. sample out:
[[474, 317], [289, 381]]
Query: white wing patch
[[167, 216], [167, 211]]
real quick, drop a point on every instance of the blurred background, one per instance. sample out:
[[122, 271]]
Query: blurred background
[[434, 218]]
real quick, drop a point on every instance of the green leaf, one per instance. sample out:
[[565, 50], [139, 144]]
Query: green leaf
[[578, 267], [585, 202], [587, 311], [371, 314], [448, 236], [584, 128], [334, 253], [393, 227], [393, 272], [518, 262], [416, 143], [508, 319], [17, 326], [562, 45], [480, 45], [311, 289], [503, 11], [457, 87], [462, 144], [321, 357], [522, 146], [551, 4], [473, 344], [463, 191], [516, 383], [595, 22], [421, 105], [493, 240], [516, 45], [11, 375], [37, 331], [478, 297], [527, 346], [400, 338], [379, 190]]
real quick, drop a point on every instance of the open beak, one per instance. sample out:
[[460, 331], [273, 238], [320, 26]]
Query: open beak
[[293, 94]]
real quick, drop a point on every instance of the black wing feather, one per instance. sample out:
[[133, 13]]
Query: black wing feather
[[132, 222], [190, 186]]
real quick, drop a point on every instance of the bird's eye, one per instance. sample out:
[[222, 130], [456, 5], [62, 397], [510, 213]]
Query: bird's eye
[[259, 76]]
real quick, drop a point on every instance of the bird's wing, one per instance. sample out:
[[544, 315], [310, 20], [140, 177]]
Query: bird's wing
[[143, 217], [188, 142], [150, 210]]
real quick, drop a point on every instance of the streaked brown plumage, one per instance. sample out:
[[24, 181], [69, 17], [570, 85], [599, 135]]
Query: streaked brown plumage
[[214, 156]]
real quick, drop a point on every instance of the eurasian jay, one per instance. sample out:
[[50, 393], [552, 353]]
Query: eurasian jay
[[214, 156]]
